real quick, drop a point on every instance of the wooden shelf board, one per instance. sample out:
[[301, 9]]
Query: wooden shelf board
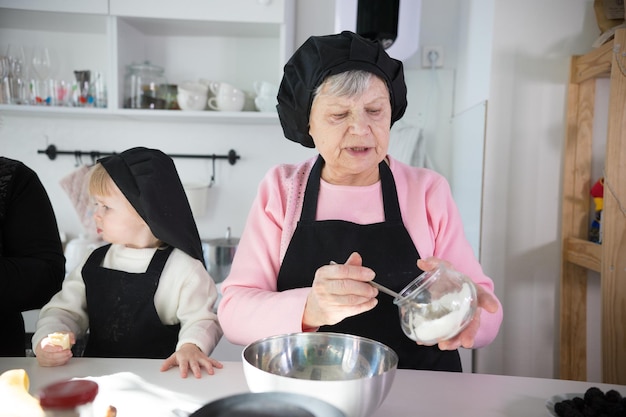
[[578, 255], [595, 64], [583, 253]]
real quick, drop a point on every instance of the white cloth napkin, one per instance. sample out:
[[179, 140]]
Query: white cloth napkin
[[133, 396], [75, 185]]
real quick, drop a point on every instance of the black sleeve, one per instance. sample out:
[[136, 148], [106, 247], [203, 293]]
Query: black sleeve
[[32, 265]]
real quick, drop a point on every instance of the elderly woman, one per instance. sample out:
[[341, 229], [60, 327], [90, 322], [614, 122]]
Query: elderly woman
[[354, 205]]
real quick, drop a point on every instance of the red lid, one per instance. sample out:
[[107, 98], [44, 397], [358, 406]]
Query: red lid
[[68, 394]]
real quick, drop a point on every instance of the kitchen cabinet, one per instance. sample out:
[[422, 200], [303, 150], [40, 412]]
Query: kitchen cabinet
[[67, 6], [579, 256], [251, 11], [235, 41]]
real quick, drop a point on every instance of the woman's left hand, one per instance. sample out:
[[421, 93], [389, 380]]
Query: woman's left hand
[[189, 356], [485, 300]]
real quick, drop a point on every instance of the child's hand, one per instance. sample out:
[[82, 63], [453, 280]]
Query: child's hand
[[49, 354], [189, 356]]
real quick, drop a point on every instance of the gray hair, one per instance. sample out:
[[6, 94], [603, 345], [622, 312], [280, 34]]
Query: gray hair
[[345, 84]]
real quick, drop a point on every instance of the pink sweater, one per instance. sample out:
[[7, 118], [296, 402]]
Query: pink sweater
[[252, 309]]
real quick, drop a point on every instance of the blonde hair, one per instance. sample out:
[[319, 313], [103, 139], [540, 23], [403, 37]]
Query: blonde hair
[[100, 182]]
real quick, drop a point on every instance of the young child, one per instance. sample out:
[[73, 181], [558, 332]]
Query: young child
[[147, 294]]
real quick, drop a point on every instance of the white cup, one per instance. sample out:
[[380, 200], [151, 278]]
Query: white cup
[[234, 102], [192, 96], [207, 83], [227, 97], [265, 89], [228, 102], [218, 88], [265, 104]]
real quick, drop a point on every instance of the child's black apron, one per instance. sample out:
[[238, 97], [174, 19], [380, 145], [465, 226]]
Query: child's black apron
[[385, 247], [123, 321]]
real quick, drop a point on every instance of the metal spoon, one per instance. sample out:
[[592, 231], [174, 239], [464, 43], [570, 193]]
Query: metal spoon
[[379, 287], [434, 312], [385, 290]]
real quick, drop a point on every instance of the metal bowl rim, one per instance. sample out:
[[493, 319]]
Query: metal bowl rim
[[393, 356]]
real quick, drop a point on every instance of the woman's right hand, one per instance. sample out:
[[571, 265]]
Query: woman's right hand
[[49, 354], [339, 291]]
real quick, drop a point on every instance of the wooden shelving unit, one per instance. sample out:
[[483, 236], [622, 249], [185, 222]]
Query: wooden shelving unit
[[578, 254]]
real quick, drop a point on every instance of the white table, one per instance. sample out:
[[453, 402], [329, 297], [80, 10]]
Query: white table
[[432, 393]]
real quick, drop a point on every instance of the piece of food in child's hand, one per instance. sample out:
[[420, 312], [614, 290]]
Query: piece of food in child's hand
[[60, 339]]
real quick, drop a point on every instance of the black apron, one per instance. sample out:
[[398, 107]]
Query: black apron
[[123, 321], [385, 247]]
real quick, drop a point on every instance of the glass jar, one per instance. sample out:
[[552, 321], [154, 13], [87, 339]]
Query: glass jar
[[145, 87], [73, 398], [437, 305], [172, 101]]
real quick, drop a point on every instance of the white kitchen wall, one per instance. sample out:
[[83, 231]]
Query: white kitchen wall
[[532, 43], [260, 147], [530, 47], [524, 59]]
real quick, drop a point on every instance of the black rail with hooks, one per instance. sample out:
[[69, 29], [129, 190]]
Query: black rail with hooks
[[52, 153]]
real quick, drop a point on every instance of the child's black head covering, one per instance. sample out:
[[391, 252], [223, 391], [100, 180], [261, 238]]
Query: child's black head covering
[[321, 56], [149, 181]]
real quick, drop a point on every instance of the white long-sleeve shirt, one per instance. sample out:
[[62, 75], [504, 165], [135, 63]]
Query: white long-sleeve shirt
[[186, 295]]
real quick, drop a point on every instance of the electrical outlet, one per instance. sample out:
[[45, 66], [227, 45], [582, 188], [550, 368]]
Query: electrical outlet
[[432, 56]]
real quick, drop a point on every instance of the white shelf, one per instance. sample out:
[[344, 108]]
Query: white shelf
[[67, 6], [233, 41], [207, 116], [233, 11]]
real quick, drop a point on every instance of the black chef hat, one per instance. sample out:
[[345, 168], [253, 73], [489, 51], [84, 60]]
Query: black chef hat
[[321, 56], [149, 181]]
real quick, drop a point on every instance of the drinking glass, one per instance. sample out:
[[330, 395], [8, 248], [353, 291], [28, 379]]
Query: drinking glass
[[5, 91], [18, 87], [61, 92], [42, 64], [41, 92]]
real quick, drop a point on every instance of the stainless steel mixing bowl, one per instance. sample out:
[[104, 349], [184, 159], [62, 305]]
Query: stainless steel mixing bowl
[[352, 373]]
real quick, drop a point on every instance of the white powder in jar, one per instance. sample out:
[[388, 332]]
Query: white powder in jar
[[446, 326]]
